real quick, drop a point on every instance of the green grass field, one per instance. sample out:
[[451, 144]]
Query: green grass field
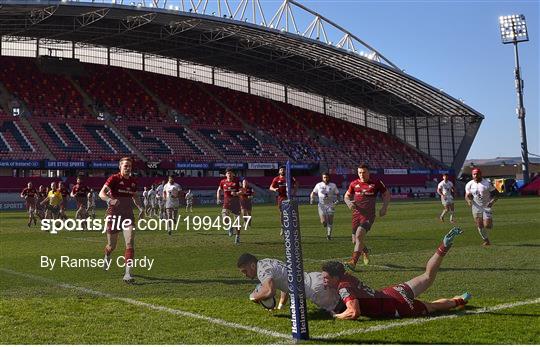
[[195, 295]]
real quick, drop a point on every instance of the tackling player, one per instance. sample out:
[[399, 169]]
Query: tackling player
[[246, 201], [171, 192], [480, 195], [447, 192], [80, 193], [272, 274], [328, 194], [29, 195], [231, 202], [279, 185], [397, 301], [361, 198], [118, 192]]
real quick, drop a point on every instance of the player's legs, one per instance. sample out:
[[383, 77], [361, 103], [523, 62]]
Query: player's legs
[[482, 230], [421, 283], [359, 247], [246, 212], [329, 218], [451, 210], [129, 238], [444, 211], [442, 305], [112, 240]]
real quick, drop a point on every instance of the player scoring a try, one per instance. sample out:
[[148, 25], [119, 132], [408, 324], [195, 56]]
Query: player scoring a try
[[119, 191]]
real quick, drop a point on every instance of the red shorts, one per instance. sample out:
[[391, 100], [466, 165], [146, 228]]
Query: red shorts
[[279, 200], [405, 303], [232, 205], [123, 217], [30, 203], [361, 220]]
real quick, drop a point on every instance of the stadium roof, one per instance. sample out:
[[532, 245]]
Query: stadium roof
[[279, 56]]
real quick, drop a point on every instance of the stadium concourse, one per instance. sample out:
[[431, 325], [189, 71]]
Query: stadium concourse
[[87, 122]]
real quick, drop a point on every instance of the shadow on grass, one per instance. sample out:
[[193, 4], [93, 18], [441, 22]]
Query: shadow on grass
[[162, 280]]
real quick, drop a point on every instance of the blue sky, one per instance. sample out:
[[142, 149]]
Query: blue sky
[[456, 46]]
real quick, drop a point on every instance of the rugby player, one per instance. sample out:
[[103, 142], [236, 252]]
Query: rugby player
[[152, 206], [272, 274], [246, 201], [189, 201], [397, 301], [53, 201], [328, 194], [446, 190], [63, 204], [361, 199], [118, 192], [231, 201], [91, 204], [480, 195], [41, 195], [160, 203], [279, 186], [171, 194], [29, 194], [146, 202], [80, 193]]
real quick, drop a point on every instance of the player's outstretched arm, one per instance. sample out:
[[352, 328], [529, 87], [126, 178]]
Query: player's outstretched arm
[[352, 311], [266, 290]]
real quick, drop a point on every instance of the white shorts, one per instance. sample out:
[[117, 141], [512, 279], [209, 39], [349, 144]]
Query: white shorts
[[447, 200], [326, 209], [172, 203], [481, 212], [160, 203]]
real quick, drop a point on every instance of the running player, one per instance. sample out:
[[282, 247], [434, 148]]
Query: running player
[[160, 203], [152, 205], [29, 194], [171, 193], [231, 202], [279, 185], [80, 193], [447, 192], [361, 198], [272, 274], [246, 202], [91, 204], [480, 195], [328, 197], [53, 201], [397, 301], [189, 201], [118, 192], [63, 205], [41, 195]]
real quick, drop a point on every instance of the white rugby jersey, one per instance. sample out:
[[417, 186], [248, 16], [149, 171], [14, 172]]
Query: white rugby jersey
[[274, 269], [480, 191], [151, 195], [172, 190], [445, 187], [327, 193], [324, 297], [91, 199], [159, 192]]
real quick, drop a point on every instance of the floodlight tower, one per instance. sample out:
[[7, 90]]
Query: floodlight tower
[[514, 30]]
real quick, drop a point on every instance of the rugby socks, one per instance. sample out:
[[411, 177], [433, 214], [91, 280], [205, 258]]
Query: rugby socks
[[441, 217], [128, 255], [355, 257], [459, 301], [451, 216], [442, 250], [329, 230], [483, 233]]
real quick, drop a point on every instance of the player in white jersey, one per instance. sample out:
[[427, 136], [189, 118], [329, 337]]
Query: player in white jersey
[[189, 201], [151, 209], [145, 200], [328, 195], [91, 203], [272, 274], [171, 196], [160, 203], [447, 192], [480, 195]]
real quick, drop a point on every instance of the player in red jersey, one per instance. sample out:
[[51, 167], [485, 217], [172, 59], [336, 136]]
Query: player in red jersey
[[361, 198], [246, 201], [80, 193], [231, 201], [279, 185], [29, 194], [41, 195], [119, 191], [397, 301], [64, 191]]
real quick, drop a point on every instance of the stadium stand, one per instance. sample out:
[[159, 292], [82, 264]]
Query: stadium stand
[[15, 141]]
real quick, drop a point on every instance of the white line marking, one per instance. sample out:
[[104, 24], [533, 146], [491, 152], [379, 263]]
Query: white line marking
[[153, 307], [86, 239], [425, 320]]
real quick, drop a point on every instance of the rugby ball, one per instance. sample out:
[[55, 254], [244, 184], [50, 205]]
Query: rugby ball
[[268, 303]]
